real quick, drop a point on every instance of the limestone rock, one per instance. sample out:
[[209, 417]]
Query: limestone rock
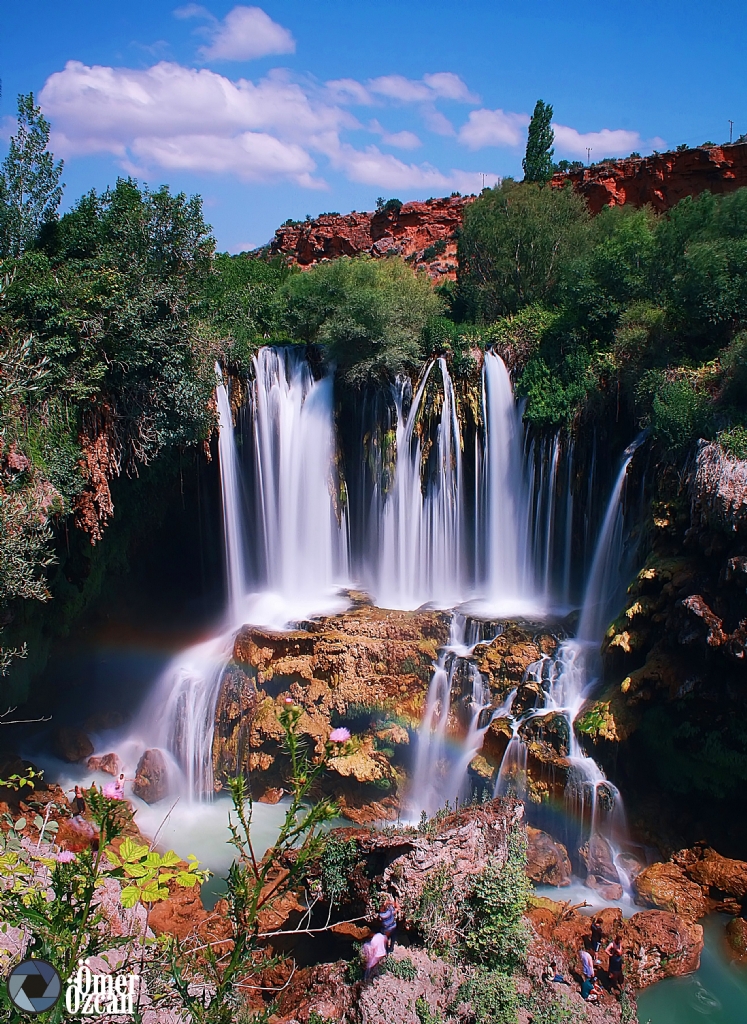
[[183, 916], [151, 777], [71, 744], [602, 874], [108, 763], [660, 945], [667, 887], [321, 990], [547, 860]]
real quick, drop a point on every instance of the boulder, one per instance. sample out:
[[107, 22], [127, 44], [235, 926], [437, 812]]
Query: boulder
[[721, 875], [71, 744], [151, 778], [736, 936], [108, 763], [658, 945], [602, 875], [667, 887], [547, 860], [183, 916], [316, 993]]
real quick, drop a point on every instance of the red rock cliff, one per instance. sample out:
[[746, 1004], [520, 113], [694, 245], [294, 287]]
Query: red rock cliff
[[423, 233], [662, 179]]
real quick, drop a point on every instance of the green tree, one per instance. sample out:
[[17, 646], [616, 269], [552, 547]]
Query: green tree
[[514, 243], [369, 315], [537, 162], [30, 189]]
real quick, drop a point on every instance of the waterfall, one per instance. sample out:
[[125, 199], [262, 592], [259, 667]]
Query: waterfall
[[505, 498], [302, 534], [230, 495], [442, 758], [301, 521], [420, 538]]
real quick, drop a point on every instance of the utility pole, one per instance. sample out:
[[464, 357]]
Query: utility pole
[[483, 179], [731, 129], [588, 158]]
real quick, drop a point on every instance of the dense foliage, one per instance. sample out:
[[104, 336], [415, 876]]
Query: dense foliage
[[537, 162]]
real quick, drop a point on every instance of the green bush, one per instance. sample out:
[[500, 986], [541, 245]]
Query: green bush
[[678, 412], [734, 441], [338, 859], [493, 997], [496, 935], [368, 315]]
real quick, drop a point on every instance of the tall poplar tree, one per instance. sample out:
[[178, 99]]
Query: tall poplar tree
[[30, 189], [537, 163]]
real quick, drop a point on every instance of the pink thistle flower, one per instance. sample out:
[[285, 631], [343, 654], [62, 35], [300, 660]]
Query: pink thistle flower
[[339, 735], [64, 857]]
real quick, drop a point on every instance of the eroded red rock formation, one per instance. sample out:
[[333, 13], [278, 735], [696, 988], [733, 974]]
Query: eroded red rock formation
[[423, 233], [660, 180]]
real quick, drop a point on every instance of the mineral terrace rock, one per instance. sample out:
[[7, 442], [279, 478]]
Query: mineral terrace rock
[[368, 669], [667, 887], [602, 873], [151, 778], [736, 936]]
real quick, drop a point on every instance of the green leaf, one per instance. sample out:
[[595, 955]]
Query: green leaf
[[186, 879], [20, 825], [132, 851], [38, 821], [129, 896]]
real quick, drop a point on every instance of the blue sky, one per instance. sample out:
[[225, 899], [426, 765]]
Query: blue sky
[[296, 107]]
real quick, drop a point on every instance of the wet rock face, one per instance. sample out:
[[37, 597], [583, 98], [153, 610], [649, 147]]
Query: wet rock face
[[108, 763], [660, 180], [602, 873], [547, 860], [660, 945], [367, 670], [667, 887], [71, 744], [424, 234], [151, 780], [736, 936]]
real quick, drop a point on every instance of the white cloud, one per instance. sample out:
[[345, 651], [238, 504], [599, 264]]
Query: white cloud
[[348, 90], [449, 86], [166, 113], [493, 128], [604, 143], [372, 167], [400, 140], [436, 122], [244, 34]]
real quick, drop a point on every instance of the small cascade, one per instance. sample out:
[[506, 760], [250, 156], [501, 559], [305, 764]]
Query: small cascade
[[301, 522], [420, 537], [504, 501], [230, 496], [551, 510], [442, 759]]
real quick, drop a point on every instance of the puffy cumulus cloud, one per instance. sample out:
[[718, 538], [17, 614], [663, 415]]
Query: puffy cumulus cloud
[[436, 121], [449, 86], [604, 143], [493, 128], [372, 167], [244, 34], [167, 110], [400, 140], [348, 90]]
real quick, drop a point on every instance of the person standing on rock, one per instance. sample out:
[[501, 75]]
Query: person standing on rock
[[79, 801], [615, 970], [373, 952], [587, 964], [597, 934], [388, 917]]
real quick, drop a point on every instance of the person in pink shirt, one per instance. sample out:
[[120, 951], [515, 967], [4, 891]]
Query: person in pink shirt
[[373, 952]]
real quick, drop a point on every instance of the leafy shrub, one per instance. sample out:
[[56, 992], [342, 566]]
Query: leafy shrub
[[734, 441], [678, 412], [493, 997], [338, 859], [496, 935], [438, 909], [402, 968]]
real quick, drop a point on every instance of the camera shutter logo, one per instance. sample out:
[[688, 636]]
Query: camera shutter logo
[[34, 986]]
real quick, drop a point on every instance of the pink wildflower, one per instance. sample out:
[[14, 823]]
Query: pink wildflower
[[64, 857], [339, 735]]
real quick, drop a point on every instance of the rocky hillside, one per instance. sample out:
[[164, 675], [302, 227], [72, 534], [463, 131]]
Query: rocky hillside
[[423, 233], [660, 180]]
